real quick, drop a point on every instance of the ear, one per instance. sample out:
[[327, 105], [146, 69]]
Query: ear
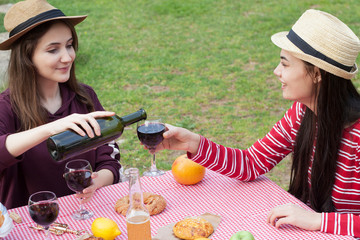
[[317, 75]]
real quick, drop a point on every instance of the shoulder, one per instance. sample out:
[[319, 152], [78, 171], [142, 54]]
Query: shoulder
[[92, 94], [298, 109], [295, 113], [87, 88], [351, 137], [5, 95], [354, 129], [6, 111], [5, 99]]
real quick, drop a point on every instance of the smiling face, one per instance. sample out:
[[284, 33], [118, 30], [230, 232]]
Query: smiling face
[[297, 83], [54, 54]]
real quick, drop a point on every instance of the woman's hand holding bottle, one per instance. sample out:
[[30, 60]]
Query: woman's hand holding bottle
[[82, 124], [20, 142]]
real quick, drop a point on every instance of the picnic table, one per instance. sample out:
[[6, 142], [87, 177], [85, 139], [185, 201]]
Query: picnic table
[[240, 206]]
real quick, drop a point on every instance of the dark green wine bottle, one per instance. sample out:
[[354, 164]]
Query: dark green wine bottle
[[68, 144]]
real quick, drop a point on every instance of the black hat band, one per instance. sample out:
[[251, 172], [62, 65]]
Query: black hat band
[[306, 48], [38, 18]]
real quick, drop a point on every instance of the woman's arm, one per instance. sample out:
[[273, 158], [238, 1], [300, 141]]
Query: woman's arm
[[244, 165], [20, 142], [341, 223], [333, 222]]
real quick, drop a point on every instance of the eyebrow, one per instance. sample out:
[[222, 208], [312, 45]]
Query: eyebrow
[[284, 58], [58, 43]]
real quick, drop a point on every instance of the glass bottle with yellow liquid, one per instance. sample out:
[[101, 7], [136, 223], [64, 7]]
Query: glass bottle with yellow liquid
[[137, 216]]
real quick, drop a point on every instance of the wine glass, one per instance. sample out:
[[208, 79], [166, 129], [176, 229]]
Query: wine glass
[[78, 177], [150, 133], [44, 209]]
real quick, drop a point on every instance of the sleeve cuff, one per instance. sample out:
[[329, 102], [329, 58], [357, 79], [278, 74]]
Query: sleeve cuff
[[199, 151], [323, 227]]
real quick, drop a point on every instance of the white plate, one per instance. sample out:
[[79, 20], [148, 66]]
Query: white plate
[[5, 229]]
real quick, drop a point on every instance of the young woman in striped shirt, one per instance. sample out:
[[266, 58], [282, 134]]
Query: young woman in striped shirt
[[321, 129]]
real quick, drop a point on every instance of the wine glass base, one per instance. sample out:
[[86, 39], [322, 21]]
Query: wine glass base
[[155, 173], [82, 215]]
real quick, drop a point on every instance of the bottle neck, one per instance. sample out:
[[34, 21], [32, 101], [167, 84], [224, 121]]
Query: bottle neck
[[135, 191], [134, 117]]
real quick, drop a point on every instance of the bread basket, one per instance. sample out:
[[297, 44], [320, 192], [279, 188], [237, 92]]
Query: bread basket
[[5, 229]]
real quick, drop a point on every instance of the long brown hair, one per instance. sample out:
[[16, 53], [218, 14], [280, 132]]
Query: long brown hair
[[23, 85], [337, 106]]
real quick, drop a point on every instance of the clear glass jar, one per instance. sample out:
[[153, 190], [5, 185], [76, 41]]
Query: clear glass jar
[[137, 216]]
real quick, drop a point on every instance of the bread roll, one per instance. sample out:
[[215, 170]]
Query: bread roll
[[2, 219], [192, 228], [153, 202]]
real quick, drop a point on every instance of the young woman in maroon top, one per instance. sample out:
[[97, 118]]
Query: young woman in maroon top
[[44, 98]]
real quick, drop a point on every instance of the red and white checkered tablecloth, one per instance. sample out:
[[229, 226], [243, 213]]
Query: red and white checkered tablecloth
[[241, 205]]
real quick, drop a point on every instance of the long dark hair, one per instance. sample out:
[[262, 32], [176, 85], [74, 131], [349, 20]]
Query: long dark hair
[[24, 91], [337, 107]]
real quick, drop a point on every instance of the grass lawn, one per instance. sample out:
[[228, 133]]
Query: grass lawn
[[206, 65]]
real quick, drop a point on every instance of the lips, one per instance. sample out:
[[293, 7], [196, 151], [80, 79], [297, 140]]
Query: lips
[[283, 85], [64, 69]]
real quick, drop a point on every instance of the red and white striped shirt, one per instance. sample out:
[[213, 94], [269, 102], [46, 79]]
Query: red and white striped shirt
[[246, 165]]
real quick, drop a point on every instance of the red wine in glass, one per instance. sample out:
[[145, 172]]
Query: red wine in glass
[[44, 209], [78, 180], [44, 213], [150, 133], [78, 177]]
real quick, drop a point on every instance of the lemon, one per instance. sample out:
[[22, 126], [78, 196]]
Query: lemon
[[105, 228]]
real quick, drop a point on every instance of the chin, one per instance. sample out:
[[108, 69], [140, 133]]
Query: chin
[[63, 80], [287, 97]]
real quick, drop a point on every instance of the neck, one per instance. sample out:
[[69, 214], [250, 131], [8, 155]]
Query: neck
[[50, 97]]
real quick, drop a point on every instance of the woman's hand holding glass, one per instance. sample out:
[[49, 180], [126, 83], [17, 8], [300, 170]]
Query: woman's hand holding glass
[[78, 176], [177, 138], [87, 194]]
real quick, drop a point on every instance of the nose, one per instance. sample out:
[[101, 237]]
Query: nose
[[277, 70], [67, 56]]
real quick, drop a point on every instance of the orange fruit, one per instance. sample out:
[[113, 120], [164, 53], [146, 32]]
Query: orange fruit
[[186, 171]]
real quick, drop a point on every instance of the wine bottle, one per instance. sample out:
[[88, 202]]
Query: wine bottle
[[68, 144], [137, 215]]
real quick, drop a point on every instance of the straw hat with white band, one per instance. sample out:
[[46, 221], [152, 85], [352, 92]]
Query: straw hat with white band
[[25, 15], [323, 40]]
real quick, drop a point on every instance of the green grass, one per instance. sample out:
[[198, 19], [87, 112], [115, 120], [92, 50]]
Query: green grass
[[202, 64], [2, 15], [2, 28]]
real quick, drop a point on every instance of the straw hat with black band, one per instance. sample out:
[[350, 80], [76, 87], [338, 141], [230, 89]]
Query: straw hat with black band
[[25, 15], [323, 40]]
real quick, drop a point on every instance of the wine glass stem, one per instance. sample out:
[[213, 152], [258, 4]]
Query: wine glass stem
[[81, 206], [153, 164], [47, 234]]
